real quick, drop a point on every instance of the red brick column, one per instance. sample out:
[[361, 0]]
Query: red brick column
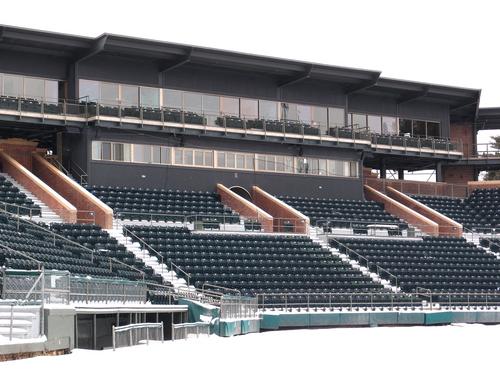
[[84, 201], [401, 211], [36, 186], [447, 226], [245, 208], [280, 211]]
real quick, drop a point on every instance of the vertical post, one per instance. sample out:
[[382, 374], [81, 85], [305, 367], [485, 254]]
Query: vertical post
[[147, 335], [161, 333], [42, 313], [94, 335], [130, 337], [114, 338], [12, 320]]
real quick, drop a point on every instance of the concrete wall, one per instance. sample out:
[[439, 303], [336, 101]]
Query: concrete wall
[[89, 207], [401, 211], [60, 327], [245, 208]]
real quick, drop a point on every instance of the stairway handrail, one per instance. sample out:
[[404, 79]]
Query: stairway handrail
[[368, 262], [92, 251]]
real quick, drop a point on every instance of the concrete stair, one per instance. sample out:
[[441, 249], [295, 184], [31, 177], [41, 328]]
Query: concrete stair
[[48, 215], [473, 238], [150, 259], [22, 323], [317, 236]]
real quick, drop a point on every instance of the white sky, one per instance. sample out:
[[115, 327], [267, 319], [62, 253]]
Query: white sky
[[443, 42]]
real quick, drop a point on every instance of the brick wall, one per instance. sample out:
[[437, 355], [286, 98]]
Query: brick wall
[[281, 212], [245, 208], [19, 149], [447, 226], [458, 174], [37, 187], [473, 185], [465, 133], [401, 211], [459, 190], [87, 204]]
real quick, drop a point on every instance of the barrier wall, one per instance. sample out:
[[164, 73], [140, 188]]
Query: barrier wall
[[87, 204], [402, 212]]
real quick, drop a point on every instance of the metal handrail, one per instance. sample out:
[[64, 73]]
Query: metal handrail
[[368, 262], [18, 207], [53, 160], [282, 124], [39, 263], [92, 251], [209, 285], [172, 264], [473, 232], [128, 231], [177, 268], [79, 170], [351, 300]]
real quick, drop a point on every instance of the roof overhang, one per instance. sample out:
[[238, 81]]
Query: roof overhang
[[463, 103], [488, 118]]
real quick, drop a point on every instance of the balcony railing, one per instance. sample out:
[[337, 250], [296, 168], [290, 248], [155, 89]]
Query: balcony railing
[[91, 111]]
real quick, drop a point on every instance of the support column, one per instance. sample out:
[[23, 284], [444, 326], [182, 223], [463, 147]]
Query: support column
[[401, 174], [383, 171], [439, 172]]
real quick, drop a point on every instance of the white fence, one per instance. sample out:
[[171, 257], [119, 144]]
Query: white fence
[[133, 334], [186, 330]]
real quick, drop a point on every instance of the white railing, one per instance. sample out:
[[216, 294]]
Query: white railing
[[186, 330], [133, 334]]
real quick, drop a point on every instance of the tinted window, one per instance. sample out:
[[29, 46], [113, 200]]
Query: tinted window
[[389, 125], [34, 88], [405, 126], [336, 117], [304, 113], [433, 129], [320, 117], [419, 128], [172, 99], [150, 97], [12, 85], [374, 124], [192, 102], [89, 90], [359, 121], [51, 91], [106, 151], [130, 96], [249, 108], [268, 110], [230, 106], [109, 93], [289, 111]]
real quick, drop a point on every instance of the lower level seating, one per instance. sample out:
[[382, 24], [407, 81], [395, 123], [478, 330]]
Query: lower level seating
[[256, 264], [53, 253], [93, 237], [491, 243], [439, 264]]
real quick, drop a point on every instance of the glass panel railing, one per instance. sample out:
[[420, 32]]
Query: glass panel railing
[[174, 115]]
